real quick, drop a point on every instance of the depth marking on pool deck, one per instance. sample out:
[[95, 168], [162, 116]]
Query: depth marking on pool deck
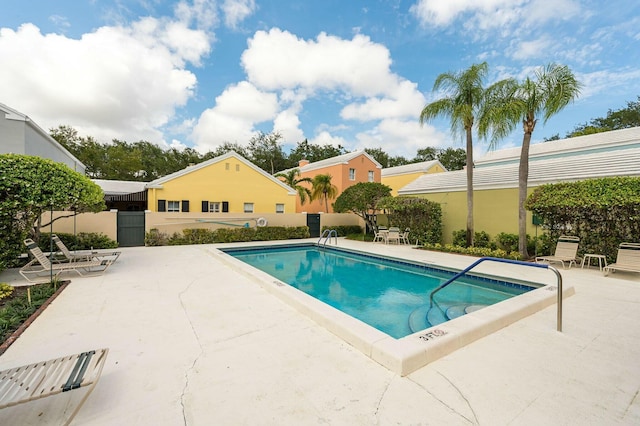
[[432, 335]]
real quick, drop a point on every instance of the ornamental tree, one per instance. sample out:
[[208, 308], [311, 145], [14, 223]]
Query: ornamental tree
[[31, 186], [362, 199]]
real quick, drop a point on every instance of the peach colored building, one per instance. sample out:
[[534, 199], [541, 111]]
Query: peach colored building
[[345, 170]]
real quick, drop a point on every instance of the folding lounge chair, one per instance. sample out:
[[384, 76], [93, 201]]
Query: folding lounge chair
[[82, 256], [404, 237], [74, 375], [40, 266], [628, 259], [566, 251]]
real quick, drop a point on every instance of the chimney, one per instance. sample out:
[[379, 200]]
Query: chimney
[[303, 163]]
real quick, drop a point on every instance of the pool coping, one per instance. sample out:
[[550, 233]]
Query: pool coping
[[409, 353]]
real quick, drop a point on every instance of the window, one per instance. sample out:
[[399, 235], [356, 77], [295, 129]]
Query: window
[[371, 175], [237, 167], [173, 206], [248, 207], [214, 207], [162, 205], [226, 166], [279, 208], [352, 174], [185, 206]]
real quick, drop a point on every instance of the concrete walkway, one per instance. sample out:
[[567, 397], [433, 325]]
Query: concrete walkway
[[194, 342]]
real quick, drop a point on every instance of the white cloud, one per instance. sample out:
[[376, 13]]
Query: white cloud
[[234, 115], [278, 60], [405, 102], [115, 82], [287, 124], [235, 11], [493, 14], [402, 137], [325, 138], [522, 50]]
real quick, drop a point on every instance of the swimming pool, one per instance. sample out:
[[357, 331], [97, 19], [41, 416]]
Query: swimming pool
[[390, 295], [406, 354]]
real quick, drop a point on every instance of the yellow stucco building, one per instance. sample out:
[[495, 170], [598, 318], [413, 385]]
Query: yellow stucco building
[[225, 184], [399, 176], [495, 178]]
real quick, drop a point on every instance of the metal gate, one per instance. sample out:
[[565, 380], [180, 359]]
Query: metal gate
[[313, 222], [130, 229]]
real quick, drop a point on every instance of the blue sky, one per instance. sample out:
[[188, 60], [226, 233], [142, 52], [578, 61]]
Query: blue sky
[[199, 73]]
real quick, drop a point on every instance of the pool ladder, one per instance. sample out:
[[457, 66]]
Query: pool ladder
[[513, 262], [327, 234]]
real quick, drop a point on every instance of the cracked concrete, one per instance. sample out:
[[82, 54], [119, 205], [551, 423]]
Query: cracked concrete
[[193, 341]]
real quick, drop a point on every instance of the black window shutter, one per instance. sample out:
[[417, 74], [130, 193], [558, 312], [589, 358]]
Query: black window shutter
[[185, 206], [225, 207], [162, 205], [205, 207]]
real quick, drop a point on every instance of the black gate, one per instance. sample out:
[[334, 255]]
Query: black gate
[[313, 222], [130, 229]]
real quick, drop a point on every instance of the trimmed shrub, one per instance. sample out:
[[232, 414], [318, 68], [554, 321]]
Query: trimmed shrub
[[226, 235], [344, 230], [80, 241], [601, 212]]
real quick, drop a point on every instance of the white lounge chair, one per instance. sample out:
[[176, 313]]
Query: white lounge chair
[[40, 266], [82, 256], [566, 251], [76, 374], [628, 259]]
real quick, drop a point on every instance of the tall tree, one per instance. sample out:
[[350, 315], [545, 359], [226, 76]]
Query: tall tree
[[551, 89], [266, 152], [293, 179], [379, 155], [322, 188], [362, 199], [462, 101], [453, 158], [313, 152], [615, 120]]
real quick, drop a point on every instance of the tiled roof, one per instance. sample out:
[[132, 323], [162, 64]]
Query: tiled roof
[[618, 162], [411, 168], [598, 142]]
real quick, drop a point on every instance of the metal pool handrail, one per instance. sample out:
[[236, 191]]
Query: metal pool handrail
[[327, 234], [513, 262]]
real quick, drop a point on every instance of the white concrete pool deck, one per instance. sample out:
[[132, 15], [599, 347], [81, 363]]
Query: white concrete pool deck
[[192, 341]]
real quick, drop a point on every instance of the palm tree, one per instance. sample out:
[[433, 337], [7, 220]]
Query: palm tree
[[292, 179], [323, 188], [464, 99], [552, 88]]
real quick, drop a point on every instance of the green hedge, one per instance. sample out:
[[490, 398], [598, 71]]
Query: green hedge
[[80, 241], [601, 212], [344, 230], [473, 251], [226, 235]]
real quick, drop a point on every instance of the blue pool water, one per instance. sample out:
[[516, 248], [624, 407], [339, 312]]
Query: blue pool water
[[388, 294]]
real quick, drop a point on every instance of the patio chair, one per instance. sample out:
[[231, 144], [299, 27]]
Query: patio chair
[[628, 259], [566, 251], [404, 237], [393, 235], [82, 256], [40, 266], [76, 374], [380, 234]]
